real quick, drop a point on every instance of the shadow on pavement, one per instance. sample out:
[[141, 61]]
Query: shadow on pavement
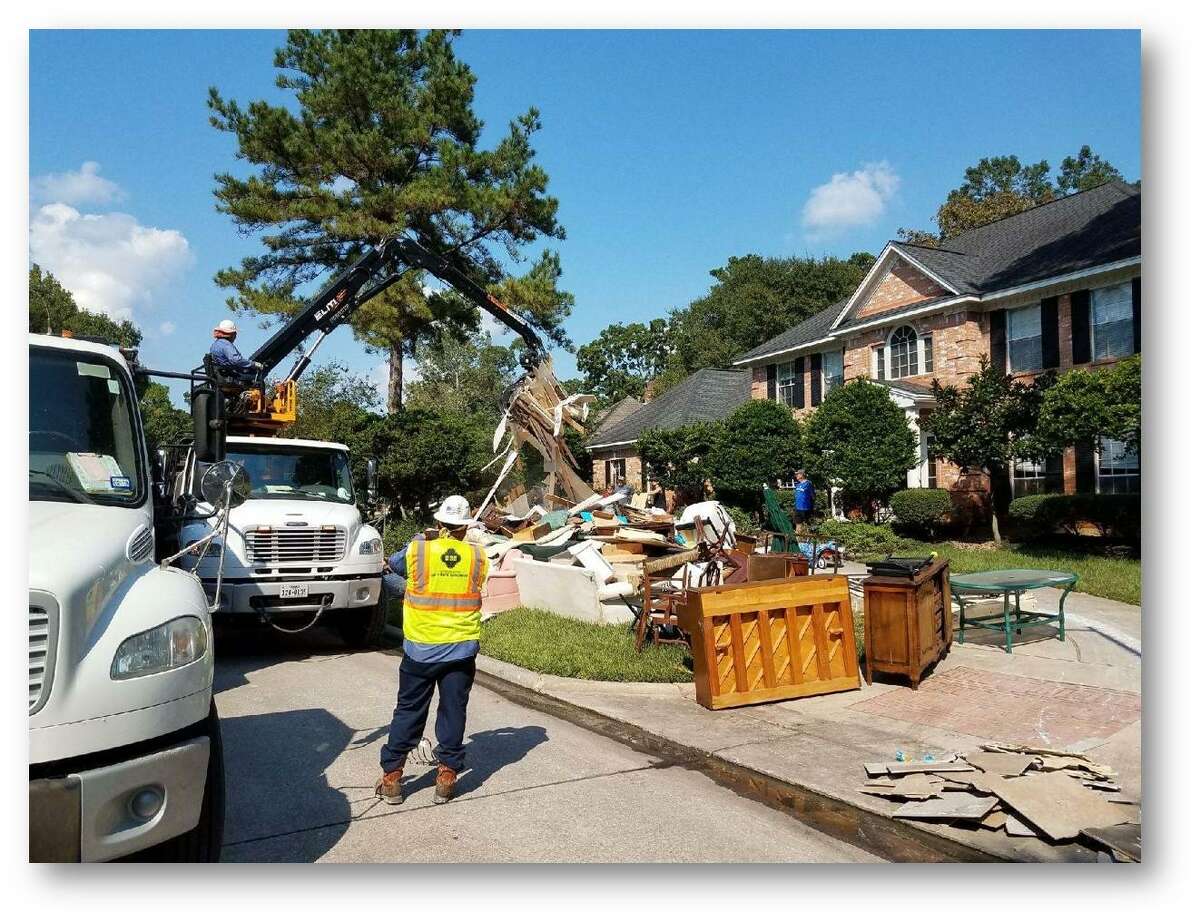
[[488, 751], [241, 649]]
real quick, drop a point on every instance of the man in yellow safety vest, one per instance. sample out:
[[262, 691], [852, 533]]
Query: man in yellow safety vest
[[442, 597]]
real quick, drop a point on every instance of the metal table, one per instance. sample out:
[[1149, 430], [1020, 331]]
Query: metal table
[[1011, 583]]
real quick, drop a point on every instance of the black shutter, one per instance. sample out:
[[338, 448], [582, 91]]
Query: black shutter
[[798, 382], [1085, 468], [814, 369], [1049, 332], [1081, 327], [1137, 314], [1000, 339], [770, 382], [1054, 473]]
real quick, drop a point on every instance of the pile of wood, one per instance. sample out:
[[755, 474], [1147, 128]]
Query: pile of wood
[[1059, 797]]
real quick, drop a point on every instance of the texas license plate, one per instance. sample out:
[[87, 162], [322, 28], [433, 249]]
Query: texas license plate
[[293, 592]]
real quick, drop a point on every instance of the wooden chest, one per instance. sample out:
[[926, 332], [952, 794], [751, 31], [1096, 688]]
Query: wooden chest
[[907, 623], [771, 641]]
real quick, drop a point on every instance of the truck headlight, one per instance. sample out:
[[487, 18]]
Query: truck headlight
[[168, 646], [371, 548]]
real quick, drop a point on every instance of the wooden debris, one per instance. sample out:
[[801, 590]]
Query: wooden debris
[[947, 806], [1056, 805]]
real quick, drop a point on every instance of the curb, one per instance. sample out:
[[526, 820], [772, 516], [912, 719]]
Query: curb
[[879, 835]]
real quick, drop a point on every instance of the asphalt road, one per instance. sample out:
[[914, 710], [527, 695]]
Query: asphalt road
[[303, 718]]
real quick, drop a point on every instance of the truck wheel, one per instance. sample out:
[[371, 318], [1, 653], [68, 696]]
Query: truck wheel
[[363, 628], [204, 842]]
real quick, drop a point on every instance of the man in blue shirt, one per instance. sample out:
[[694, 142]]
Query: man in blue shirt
[[804, 499], [227, 357]]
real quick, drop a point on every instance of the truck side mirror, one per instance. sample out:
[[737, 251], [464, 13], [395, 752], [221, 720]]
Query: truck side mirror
[[208, 424], [372, 481]]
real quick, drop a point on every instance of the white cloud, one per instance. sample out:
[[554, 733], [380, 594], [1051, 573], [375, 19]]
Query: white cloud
[[84, 186], [850, 199], [109, 262], [166, 328]]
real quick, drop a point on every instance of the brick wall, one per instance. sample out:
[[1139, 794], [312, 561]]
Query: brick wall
[[903, 284], [633, 466], [758, 383]]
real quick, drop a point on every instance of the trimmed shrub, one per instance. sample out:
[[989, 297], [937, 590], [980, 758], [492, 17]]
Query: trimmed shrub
[[1108, 515], [922, 511], [862, 540]]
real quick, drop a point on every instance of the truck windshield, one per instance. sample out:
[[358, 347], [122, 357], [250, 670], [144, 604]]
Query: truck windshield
[[83, 441], [291, 472]]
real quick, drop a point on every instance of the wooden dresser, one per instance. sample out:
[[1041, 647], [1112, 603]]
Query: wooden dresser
[[907, 623]]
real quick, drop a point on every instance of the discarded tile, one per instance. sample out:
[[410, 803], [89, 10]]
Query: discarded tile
[[994, 820], [907, 768], [1014, 827], [1124, 841], [875, 768], [947, 806], [1055, 804], [1002, 763]]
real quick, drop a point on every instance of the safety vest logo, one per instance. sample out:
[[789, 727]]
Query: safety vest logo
[[451, 557]]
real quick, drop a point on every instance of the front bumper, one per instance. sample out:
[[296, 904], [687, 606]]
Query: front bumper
[[249, 597], [86, 815]]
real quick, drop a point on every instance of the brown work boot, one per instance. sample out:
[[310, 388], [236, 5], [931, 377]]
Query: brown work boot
[[388, 787], [446, 776]]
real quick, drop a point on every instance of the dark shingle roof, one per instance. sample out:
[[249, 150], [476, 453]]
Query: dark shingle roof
[[806, 331], [616, 413], [707, 395]]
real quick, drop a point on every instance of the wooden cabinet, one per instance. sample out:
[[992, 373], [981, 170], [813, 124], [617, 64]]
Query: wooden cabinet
[[771, 640], [907, 623]]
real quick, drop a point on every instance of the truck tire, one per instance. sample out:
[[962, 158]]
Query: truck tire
[[364, 628], [202, 844]]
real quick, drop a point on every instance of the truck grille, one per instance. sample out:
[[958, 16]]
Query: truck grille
[[43, 637], [295, 545]]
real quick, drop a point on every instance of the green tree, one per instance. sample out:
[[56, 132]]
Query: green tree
[[467, 375], [859, 440], [381, 137], [164, 423], [426, 454], [679, 458], [998, 187], [759, 443], [623, 359], [1089, 405], [753, 299], [52, 309], [984, 424]]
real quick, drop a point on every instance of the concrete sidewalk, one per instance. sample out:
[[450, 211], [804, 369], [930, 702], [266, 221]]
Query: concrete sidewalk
[[1081, 695]]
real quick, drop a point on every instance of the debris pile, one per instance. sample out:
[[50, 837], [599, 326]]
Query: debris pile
[[1056, 796]]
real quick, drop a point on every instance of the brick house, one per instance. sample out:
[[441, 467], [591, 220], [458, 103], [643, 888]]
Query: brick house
[[710, 394], [1055, 287]]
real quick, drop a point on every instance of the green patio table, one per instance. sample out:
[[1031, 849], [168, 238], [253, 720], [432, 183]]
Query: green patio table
[[1011, 583]]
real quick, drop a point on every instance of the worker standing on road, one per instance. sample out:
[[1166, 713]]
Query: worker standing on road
[[442, 599], [227, 357]]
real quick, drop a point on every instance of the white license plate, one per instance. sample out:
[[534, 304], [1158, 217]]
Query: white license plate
[[293, 592]]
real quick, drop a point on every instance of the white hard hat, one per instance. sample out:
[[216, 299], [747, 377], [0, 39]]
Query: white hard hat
[[455, 510], [228, 327]]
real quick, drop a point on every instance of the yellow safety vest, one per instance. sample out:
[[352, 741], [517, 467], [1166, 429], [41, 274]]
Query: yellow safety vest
[[443, 592]]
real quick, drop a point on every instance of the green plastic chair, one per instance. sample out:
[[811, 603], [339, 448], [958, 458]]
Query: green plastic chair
[[782, 533]]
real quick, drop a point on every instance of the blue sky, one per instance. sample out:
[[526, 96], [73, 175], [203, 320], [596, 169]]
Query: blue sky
[[668, 151]]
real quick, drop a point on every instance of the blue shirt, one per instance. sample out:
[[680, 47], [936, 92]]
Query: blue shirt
[[227, 355], [804, 496], [430, 652]]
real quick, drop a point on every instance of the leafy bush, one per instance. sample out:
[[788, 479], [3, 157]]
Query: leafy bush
[[1044, 514], [786, 497], [745, 522], [679, 457], [864, 541], [759, 442], [922, 511], [398, 533]]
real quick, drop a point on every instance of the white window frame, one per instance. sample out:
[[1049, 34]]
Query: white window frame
[[1127, 474], [1009, 339], [1128, 286], [1031, 472], [792, 380], [924, 362], [826, 386]]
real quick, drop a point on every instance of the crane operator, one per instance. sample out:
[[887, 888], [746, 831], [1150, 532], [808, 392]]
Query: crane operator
[[228, 358]]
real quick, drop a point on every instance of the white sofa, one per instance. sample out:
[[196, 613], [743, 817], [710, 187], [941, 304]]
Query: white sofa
[[573, 592]]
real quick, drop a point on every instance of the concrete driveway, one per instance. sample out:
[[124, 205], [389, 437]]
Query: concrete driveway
[[303, 719]]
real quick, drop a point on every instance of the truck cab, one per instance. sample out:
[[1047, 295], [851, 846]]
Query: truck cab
[[297, 550], [124, 741]]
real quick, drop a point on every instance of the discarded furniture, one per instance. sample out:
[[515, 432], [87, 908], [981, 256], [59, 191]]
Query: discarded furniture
[[770, 641], [662, 591], [500, 592], [783, 537], [761, 567], [574, 592], [1011, 583], [907, 621]]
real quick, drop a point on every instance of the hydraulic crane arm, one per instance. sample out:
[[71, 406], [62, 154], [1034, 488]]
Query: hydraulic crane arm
[[374, 272]]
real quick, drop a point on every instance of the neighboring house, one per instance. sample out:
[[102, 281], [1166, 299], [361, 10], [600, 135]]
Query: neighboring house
[[615, 414], [1055, 287], [708, 395]]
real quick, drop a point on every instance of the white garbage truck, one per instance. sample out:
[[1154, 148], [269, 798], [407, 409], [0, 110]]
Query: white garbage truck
[[124, 741], [297, 551]]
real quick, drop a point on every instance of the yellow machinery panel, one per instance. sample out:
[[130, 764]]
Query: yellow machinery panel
[[266, 411]]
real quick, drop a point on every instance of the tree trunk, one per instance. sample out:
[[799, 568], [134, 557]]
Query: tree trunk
[[395, 395]]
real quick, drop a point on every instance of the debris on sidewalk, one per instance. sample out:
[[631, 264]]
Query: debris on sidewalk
[[1027, 791]]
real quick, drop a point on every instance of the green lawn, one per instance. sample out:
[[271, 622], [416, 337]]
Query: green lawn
[[549, 643]]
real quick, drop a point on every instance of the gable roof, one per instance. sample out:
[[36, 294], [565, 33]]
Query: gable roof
[[707, 395], [617, 412], [806, 332], [1085, 230]]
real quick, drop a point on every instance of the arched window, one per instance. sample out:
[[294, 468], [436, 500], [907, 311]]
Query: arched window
[[905, 356]]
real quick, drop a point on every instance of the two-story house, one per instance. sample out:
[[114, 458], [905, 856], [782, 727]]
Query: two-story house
[[1055, 287]]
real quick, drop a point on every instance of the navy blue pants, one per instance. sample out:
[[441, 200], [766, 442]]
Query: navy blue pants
[[417, 681]]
